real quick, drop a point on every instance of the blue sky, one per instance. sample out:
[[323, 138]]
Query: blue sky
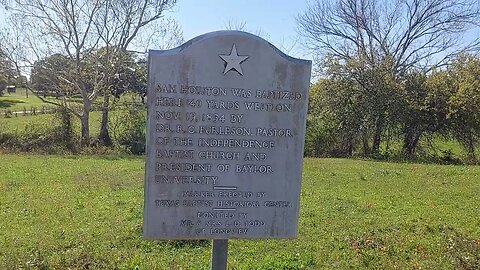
[[275, 18]]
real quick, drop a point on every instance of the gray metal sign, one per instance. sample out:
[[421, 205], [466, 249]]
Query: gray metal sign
[[226, 124]]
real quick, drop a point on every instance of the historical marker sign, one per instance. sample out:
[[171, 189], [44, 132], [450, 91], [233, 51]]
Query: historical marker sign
[[226, 124]]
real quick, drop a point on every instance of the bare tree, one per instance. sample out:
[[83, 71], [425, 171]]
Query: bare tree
[[67, 25], [236, 25], [381, 40], [242, 26], [119, 23], [286, 45], [412, 33], [11, 51], [77, 29], [165, 34], [289, 45]]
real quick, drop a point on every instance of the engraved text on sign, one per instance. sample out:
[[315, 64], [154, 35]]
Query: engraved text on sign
[[225, 139]]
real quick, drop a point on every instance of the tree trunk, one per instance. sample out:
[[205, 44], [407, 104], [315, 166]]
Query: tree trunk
[[348, 146], [471, 148], [377, 136], [366, 145], [349, 149], [85, 140], [104, 136], [410, 140]]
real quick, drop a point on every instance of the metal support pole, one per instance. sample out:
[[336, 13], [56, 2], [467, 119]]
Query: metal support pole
[[219, 254]]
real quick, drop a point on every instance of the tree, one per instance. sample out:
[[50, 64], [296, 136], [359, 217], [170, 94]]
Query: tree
[[118, 24], [128, 74], [380, 42], [424, 108], [76, 29], [66, 27], [7, 72], [336, 105], [10, 57], [242, 26], [49, 76], [411, 33], [464, 109]]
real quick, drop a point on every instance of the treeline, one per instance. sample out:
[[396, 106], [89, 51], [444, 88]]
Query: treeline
[[355, 110], [393, 72]]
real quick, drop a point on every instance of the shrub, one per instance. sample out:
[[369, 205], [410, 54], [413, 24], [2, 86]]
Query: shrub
[[8, 113], [320, 138], [56, 138], [64, 130], [128, 128]]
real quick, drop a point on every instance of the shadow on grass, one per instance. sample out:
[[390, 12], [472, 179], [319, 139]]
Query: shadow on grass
[[464, 251], [373, 247], [9, 103], [187, 243], [109, 157]]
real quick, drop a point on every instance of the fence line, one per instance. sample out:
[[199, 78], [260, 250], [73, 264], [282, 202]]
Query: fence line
[[53, 109]]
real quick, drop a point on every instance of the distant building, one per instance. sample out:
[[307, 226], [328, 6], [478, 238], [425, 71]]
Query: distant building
[[11, 89]]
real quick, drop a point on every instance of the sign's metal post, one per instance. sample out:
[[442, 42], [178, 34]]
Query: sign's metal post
[[219, 254]]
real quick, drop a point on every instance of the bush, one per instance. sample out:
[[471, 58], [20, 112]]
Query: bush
[[64, 130], [56, 138], [320, 138], [32, 138], [8, 113], [129, 128], [6, 138]]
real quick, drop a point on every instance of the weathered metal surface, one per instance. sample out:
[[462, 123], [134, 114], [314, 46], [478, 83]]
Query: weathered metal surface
[[226, 123]]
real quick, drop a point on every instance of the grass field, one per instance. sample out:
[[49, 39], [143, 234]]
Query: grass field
[[19, 101], [84, 212], [16, 123], [20, 123]]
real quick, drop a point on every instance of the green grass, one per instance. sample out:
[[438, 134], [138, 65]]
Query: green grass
[[18, 101], [83, 212], [19, 123]]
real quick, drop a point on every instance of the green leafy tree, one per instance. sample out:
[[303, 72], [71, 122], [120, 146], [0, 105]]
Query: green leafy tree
[[50, 76], [115, 72], [376, 97], [424, 108], [336, 116], [464, 113]]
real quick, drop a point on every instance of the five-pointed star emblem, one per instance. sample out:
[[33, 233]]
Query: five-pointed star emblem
[[233, 61]]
